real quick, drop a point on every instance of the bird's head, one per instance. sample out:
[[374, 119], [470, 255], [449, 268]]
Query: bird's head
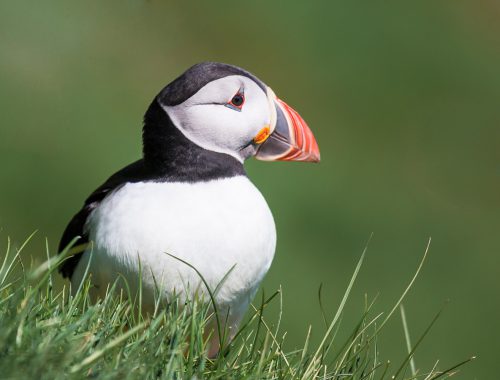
[[225, 109]]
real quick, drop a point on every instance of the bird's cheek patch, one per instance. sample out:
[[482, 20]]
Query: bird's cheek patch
[[262, 135]]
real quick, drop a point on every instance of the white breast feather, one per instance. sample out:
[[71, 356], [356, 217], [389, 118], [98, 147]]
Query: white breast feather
[[212, 225]]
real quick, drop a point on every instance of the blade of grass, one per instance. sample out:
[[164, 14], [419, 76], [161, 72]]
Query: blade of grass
[[417, 272], [449, 370], [408, 341], [114, 343], [412, 351], [338, 313]]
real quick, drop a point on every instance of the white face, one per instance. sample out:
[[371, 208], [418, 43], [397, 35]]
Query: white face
[[209, 120]]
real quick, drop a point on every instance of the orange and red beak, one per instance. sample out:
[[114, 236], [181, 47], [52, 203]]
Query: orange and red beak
[[290, 138]]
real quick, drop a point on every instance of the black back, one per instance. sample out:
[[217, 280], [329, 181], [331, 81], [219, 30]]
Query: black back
[[76, 227]]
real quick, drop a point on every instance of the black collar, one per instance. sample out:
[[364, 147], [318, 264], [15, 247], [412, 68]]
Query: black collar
[[171, 156]]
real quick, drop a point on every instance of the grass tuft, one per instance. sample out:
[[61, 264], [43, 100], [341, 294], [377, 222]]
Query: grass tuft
[[49, 334]]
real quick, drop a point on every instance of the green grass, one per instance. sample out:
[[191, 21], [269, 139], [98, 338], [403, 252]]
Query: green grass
[[48, 334]]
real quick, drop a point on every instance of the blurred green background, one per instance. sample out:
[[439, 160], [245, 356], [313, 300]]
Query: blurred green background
[[404, 99]]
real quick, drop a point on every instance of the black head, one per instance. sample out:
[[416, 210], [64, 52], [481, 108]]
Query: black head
[[227, 111], [197, 76]]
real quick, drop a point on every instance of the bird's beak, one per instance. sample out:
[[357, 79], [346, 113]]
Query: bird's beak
[[290, 138]]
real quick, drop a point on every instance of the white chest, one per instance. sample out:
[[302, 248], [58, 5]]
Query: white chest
[[212, 225]]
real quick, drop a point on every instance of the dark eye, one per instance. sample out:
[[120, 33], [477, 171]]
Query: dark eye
[[237, 101]]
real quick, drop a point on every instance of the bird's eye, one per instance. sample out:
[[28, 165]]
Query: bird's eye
[[237, 101]]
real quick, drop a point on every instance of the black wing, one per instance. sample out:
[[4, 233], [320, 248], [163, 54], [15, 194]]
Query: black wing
[[135, 172]]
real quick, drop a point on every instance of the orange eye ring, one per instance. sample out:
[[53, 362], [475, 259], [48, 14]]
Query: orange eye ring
[[237, 101]]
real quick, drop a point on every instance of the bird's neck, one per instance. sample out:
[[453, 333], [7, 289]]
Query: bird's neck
[[174, 157]]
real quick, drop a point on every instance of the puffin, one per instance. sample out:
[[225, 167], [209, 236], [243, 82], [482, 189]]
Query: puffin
[[185, 220]]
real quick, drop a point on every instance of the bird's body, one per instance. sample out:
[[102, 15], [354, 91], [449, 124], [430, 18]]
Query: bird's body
[[212, 225], [187, 210]]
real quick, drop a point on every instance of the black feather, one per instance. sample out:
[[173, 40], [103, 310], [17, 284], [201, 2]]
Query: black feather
[[197, 76], [132, 173]]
